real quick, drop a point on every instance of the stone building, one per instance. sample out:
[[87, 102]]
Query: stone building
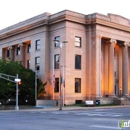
[[95, 63]]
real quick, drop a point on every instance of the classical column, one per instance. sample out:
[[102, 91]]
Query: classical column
[[10, 48], [1, 52], [98, 66], [125, 68], [120, 70], [111, 68], [22, 53], [106, 69]]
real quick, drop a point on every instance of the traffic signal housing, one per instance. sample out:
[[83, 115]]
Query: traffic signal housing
[[19, 83]]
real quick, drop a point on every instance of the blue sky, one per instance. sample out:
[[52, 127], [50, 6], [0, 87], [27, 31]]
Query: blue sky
[[14, 11]]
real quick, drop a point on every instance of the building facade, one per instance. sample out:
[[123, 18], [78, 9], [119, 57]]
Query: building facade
[[95, 63]]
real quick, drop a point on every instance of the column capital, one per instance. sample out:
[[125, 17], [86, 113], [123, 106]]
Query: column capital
[[126, 44], [113, 41], [21, 44], [10, 47]]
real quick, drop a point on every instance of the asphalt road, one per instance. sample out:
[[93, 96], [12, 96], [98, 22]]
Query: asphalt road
[[92, 119]]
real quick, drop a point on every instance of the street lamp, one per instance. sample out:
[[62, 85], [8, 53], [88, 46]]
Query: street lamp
[[36, 76], [61, 65], [17, 80]]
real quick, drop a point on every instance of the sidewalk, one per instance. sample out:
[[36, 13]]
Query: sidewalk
[[83, 108], [64, 108]]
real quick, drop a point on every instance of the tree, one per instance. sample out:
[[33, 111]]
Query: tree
[[41, 89], [27, 76]]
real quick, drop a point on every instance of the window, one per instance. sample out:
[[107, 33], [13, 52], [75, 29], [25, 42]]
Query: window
[[37, 63], [37, 44], [56, 89], [18, 51], [78, 41], [77, 61], [28, 64], [57, 43], [56, 61], [8, 53], [77, 85], [28, 48]]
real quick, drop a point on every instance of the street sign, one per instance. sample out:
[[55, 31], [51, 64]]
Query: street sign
[[17, 80]]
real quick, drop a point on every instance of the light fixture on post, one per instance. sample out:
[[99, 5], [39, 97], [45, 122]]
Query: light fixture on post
[[61, 77], [36, 76], [17, 80]]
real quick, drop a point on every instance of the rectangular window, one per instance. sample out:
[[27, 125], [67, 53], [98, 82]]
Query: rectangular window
[[28, 64], [18, 51], [56, 61], [77, 85], [37, 63], [28, 48], [78, 41], [56, 89], [77, 61], [37, 44], [57, 41], [8, 53]]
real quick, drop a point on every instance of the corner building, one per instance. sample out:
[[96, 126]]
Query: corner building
[[95, 63]]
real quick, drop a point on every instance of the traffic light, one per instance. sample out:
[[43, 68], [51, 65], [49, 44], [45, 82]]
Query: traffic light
[[19, 83]]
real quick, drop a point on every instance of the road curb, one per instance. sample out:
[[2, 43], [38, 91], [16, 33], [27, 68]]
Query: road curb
[[66, 108]]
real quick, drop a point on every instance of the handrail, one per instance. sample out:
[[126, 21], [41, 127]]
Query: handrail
[[127, 97]]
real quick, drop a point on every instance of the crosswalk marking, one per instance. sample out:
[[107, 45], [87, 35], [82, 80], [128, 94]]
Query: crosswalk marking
[[98, 113], [91, 114], [60, 112]]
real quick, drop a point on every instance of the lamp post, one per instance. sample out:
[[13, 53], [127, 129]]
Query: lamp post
[[35, 85], [17, 80], [61, 77], [36, 76]]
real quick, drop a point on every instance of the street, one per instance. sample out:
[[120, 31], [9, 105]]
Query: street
[[89, 119]]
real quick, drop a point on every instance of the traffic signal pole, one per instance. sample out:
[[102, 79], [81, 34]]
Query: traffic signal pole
[[16, 80], [17, 107]]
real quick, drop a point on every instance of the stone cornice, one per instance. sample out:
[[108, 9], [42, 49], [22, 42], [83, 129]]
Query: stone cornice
[[23, 29], [67, 15], [110, 20], [67, 18], [111, 24], [28, 24]]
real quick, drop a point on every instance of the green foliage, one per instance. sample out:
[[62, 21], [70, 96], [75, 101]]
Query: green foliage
[[7, 88], [41, 88], [27, 76]]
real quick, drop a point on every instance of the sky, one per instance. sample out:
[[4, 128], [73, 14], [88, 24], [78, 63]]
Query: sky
[[15, 11]]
